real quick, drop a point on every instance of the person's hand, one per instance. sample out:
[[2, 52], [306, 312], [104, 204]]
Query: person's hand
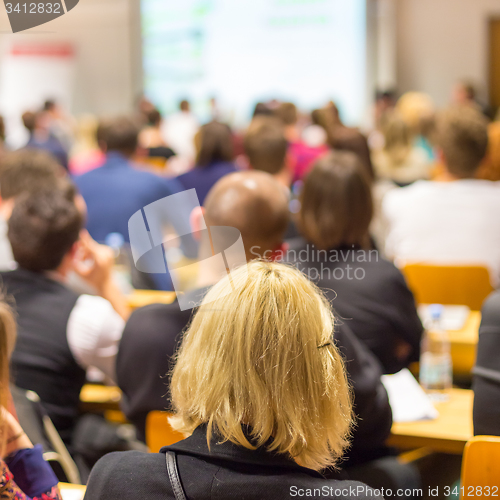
[[93, 262], [15, 437]]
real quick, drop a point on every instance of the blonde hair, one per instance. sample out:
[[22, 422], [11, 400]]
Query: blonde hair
[[398, 138], [260, 353], [414, 108], [7, 342]]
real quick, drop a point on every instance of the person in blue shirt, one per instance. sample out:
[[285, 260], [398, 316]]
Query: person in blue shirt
[[42, 139], [214, 159], [117, 190]]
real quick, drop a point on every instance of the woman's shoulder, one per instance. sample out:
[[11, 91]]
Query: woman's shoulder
[[129, 475], [124, 475]]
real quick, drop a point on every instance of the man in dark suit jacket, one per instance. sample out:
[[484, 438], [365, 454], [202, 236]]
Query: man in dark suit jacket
[[255, 204], [486, 382]]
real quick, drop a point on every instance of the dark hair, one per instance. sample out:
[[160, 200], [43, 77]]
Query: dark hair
[[266, 145], [337, 205], [49, 105], [214, 143], [184, 105], [153, 117], [287, 113], [119, 134], [470, 90], [262, 109], [44, 226], [388, 95], [462, 136], [29, 120], [28, 170]]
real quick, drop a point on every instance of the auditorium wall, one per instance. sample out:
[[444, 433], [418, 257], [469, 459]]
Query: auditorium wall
[[442, 41], [106, 37]]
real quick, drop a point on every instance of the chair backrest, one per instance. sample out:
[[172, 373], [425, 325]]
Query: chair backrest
[[40, 429], [481, 467], [159, 433], [452, 285]]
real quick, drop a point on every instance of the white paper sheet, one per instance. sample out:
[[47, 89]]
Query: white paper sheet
[[408, 400]]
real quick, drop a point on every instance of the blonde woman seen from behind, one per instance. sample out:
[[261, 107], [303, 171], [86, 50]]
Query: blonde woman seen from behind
[[260, 392]]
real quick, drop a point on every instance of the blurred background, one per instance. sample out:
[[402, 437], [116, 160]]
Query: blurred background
[[105, 53]]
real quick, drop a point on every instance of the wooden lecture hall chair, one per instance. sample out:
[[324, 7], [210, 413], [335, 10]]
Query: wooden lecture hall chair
[[449, 285], [481, 467], [159, 433]]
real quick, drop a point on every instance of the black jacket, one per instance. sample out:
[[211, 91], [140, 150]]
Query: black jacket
[[370, 294], [150, 339], [486, 381], [223, 472], [42, 360], [153, 333]]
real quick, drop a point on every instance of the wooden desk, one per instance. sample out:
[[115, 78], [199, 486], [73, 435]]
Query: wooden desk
[[99, 398], [141, 298], [447, 434], [72, 491], [464, 345]]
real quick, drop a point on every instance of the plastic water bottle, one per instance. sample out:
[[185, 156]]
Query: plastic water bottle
[[435, 361], [121, 269]]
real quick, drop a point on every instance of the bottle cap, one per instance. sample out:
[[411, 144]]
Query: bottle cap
[[114, 240], [436, 311]]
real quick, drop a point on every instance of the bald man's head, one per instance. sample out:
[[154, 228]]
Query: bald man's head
[[255, 204]]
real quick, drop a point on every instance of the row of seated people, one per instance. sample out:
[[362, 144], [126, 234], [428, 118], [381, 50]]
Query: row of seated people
[[443, 222], [79, 331]]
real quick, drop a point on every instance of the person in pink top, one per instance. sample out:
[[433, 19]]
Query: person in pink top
[[302, 154]]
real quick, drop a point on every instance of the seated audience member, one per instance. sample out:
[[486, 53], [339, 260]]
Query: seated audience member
[[41, 138], [24, 474], [266, 148], [262, 109], [450, 221], [342, 138], [490, 168], [60, 334], [117, 190], [214, 159], [253, 203], [260, 389], [151, 138], [23, 171], [60, 125], [465, 94], [486, 381], [179, 130], [385, 102], [301, 154], [367, 292], [400, 161], [418, 112], [86, 154]]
